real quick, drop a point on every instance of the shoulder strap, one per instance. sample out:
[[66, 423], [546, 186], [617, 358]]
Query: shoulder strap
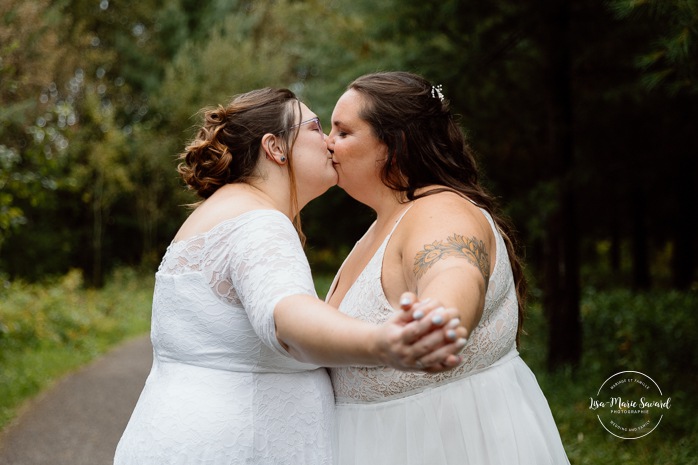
[[399, 219]]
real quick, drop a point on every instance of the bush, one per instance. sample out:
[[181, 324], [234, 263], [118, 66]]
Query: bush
[[654, 333], [48, 329], [654, 330]]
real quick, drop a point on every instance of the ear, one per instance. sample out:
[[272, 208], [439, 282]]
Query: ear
[[273, 149]]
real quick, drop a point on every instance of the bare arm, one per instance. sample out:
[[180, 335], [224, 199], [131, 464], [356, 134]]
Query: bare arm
[[314, 332], [447, 254], [275, 287]]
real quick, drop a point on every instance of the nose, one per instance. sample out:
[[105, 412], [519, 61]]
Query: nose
[[329, 140]]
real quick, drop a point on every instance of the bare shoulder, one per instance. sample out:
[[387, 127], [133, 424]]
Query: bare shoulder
[[446, 211], [224, 204]]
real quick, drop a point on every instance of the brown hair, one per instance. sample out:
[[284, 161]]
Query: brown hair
[[426, 146], [226, 146]]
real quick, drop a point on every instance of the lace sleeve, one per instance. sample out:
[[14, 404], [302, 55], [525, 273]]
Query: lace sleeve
[[266, 264]]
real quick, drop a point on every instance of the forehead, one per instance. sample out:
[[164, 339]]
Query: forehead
[[306, 113], [347, 108]]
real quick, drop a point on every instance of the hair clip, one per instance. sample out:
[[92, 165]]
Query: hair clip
[[436, 92]]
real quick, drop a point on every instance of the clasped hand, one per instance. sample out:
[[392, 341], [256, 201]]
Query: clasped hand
[[424, 336]]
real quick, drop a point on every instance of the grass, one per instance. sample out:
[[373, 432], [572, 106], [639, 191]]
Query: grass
[[49, 329], [653, 333]]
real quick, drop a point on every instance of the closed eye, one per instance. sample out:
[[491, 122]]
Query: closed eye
[[315, 125]]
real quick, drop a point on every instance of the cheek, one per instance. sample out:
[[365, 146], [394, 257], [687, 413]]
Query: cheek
[[345, 149], [352, 157]]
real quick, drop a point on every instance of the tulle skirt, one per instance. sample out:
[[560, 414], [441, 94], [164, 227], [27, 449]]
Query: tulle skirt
[[495, 416]]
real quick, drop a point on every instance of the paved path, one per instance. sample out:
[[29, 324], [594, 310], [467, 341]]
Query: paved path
[[79, 420]]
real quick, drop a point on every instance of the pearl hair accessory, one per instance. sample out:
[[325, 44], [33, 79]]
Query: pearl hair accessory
[[436, 92]]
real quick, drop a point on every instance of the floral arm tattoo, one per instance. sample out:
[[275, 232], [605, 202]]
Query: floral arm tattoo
[[456, 245]]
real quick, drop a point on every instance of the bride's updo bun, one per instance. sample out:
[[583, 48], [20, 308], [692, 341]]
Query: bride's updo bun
[[226, 146]]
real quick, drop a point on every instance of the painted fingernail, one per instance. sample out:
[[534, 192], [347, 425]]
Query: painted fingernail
[[405, 301], [437, 319], [453, 323], [418, 315], [460, 343], [451, 334]]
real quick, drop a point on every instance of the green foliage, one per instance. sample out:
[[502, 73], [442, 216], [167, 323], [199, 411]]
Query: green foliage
[[241, 54], [62, 312], [322, 284], [651, 331], [10, 215], [648, 332], [49, 329], [107, 93], [24, 40], [98, 99], [671, 59]]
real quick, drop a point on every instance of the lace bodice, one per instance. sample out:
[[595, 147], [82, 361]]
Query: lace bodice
[[222, 389], [492, 339], [214, 299]]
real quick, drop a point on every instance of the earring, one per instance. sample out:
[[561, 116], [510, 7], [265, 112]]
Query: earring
[[283, 159]]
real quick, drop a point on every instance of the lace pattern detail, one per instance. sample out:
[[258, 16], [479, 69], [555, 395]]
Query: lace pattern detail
[[253, 282], [222, 390], [493, 338]]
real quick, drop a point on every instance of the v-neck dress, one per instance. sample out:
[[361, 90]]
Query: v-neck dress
[[488, 411]]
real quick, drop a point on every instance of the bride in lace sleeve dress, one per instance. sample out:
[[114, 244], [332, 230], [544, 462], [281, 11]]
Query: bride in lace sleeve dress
[[237, 330], [397, 149]]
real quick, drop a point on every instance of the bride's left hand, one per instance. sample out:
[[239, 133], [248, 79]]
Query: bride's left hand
[[434, 334]]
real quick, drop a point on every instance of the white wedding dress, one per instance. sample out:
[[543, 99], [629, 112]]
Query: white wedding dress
[[488, 411], [222, 390]]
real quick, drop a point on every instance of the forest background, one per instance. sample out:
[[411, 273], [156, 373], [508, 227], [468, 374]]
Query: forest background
[[583, 114]]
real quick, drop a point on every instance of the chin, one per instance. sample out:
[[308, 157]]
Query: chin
[[317, 194], [343, 186]]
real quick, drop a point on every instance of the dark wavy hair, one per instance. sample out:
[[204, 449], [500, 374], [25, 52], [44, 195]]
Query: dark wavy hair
[[427, 147], [226, 148]]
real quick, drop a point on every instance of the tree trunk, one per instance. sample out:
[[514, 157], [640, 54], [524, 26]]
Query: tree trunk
[[561, 286], [683, 259], [616, 237], [97, 274], [641, 266], [561, 278], [684, 254]]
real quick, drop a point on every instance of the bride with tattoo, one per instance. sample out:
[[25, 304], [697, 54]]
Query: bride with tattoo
[[397, 148], [238, 333]]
